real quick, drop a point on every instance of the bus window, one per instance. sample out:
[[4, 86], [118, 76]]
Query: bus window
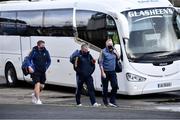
[[112, 30], [176, 23], [58, 23], [30, 23], [1, 22], [8, 23], [96, 28]]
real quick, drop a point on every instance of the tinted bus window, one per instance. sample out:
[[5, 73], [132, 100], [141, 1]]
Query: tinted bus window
[[8, 23], [1, 25], [30, 23], [96, 27], [58, 23]]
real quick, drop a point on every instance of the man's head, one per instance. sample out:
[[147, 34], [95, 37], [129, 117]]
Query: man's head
[[84, 48], [109, 44], [41, 44]]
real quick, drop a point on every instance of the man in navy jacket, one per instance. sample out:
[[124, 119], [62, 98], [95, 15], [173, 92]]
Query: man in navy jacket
[[84, 65], [41, 61]]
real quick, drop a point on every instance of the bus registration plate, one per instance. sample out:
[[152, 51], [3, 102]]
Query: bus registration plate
[[164, 85]]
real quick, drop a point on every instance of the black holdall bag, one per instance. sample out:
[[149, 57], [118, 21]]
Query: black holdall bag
[[118, 66]]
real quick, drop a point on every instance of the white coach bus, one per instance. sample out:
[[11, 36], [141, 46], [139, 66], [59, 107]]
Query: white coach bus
[[145, 32]]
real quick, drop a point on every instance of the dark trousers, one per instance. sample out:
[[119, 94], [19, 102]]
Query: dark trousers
[[90, 86], [110, 76]]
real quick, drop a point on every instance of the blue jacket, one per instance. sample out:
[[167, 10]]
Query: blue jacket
[[107, 60], [74, 55], [25, 64], [40, 59]]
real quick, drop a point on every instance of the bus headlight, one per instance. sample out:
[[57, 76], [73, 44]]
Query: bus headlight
[[134, 78]]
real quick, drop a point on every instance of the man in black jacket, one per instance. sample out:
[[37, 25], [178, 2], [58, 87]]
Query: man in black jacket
[[84, 65], [41, 61]]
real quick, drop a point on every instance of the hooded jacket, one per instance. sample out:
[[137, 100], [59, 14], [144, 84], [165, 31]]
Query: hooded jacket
[[40, 59]]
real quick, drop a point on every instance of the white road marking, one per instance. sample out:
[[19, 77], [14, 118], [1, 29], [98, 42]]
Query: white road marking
[[174, 108]]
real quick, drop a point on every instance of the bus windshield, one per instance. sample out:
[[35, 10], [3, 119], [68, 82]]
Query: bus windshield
[[152, 35]]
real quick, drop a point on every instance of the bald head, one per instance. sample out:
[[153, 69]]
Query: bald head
[[109, 42], [84, 48]]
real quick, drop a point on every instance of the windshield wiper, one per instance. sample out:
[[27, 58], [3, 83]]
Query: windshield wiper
[[151, 55], [175, 53], [155, 53]]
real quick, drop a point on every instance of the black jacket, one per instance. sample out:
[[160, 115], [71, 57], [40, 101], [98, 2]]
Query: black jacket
[[85, 65]]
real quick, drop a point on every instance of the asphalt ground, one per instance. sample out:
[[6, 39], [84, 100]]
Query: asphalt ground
[[59, 103]]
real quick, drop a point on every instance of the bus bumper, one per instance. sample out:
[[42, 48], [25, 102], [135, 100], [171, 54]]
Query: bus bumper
[[161, 86]]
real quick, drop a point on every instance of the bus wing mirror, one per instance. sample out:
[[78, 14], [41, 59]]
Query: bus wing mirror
[[124, 26], [178, 10], [118, 48], [176, 22]]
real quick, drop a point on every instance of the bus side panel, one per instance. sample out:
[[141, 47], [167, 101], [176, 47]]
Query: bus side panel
[[26, 49], [11, 52], [1, 59], [61, 70]]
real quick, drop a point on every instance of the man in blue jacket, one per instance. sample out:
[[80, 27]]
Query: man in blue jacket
[[41, 61], [107, 62], [84, 65]]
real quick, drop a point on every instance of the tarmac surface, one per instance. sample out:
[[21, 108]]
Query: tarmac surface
[[59, 102]]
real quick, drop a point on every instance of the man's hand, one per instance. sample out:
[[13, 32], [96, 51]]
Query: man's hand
[[30, 69], [103, 74], [76, 62], [116, 53]]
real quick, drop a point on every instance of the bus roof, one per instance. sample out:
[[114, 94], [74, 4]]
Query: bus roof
[[98, 5]]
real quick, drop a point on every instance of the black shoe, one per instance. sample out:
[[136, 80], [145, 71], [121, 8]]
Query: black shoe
[[106, 104]]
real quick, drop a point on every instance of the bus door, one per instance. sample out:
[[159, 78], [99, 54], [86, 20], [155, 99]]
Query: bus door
[[95, 28]]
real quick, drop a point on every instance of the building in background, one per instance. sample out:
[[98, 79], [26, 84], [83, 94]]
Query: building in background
[[175, 2]]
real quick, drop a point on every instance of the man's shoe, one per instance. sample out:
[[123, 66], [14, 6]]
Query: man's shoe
[[112, 105], [34, 100], [79, 105], [96, 105], [106, 104], [39, 102]]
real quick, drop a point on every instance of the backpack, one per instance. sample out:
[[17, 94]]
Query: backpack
[[73, 56], [25, 65]]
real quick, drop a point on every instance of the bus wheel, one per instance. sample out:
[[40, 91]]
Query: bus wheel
[[10, 74], [85, 90]]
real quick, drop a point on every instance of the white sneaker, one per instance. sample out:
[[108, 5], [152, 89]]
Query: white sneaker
[[38, 102], [112, 105], [34, 100], [96, 105], [79, 105]]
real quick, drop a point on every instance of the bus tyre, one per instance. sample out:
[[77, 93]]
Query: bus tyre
[[11, 77], [85, 90]]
